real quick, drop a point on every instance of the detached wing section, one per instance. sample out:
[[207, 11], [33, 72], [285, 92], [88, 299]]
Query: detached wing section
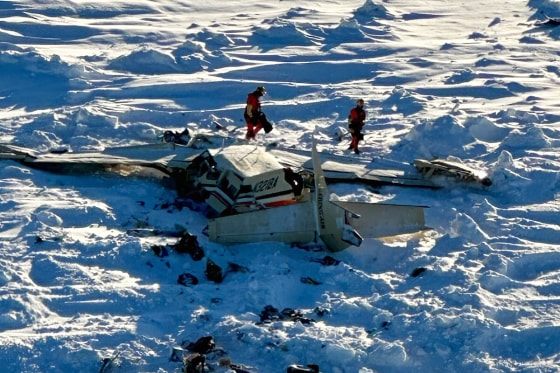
[[159, 156], [338, 168], [451, 169]]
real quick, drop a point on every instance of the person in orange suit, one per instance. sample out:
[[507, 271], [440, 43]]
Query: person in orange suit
[[356, 121], [253, 115]]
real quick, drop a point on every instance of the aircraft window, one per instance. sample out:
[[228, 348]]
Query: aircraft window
[[245, 189], [227, 188]]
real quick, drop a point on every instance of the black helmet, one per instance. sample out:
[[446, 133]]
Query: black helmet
[[262, 90]]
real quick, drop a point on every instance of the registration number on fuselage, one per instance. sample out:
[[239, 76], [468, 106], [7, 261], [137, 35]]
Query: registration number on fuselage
[[266, 184]]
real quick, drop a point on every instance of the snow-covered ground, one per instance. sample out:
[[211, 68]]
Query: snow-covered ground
[[474, 81]]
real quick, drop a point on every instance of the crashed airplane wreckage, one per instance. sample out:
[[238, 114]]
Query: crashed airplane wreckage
[[306, 214], [258, 194]]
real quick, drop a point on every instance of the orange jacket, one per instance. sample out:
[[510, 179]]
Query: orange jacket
[[253, 104], [357, 117]]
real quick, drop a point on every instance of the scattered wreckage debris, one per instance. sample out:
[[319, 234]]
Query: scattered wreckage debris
[[327, 260], [213, 272], [270, 314], [160, 250], [188, 244], [203, 345], [203, 356], [451, 169]]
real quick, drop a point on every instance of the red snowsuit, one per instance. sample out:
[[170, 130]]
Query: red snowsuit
[[356, 121], [252, 114]]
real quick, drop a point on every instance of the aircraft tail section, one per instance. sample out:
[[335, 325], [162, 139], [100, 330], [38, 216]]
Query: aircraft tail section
[[333, 226], [384, 220]]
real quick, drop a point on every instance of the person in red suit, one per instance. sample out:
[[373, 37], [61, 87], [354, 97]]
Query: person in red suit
[[356, 121], [255, 118]]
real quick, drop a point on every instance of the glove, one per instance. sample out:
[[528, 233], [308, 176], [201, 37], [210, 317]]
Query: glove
[[254, 119]]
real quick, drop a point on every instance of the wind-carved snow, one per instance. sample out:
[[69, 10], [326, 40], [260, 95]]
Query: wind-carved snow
[[470, 82]]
